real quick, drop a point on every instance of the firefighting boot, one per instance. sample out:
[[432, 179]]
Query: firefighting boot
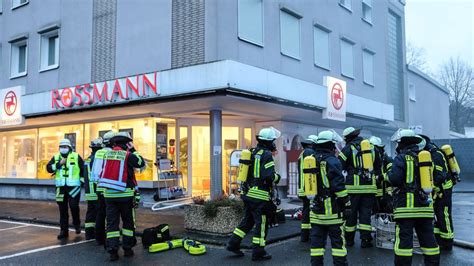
[[349, 236], [63, 234], [114, 255], [234, 245], [90, 233], [78, 229], [128, 252], [259, 253], [366, 243], [304, 235]]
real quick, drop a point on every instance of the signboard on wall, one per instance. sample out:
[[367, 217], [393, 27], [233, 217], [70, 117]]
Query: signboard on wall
[[11, 102], [336, 99]]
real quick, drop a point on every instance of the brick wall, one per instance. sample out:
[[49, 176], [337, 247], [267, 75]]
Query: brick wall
[[104, 25], [463, 149], [187, 35]]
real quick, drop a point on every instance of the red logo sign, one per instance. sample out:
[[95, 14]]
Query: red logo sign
[[337, 96], [10, 103]]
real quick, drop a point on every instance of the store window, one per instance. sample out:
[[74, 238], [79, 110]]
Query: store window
[[48, 144], [18, 154], [183, 154], [230, 142], [248, 137], [201, 160], [290, 33], [250, 19], [19, 58], [49, 50]]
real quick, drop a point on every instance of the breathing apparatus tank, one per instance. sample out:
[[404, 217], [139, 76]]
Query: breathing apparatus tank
[[452, 162], [309, 175], [367, 159], [244, 164], [425, 165]]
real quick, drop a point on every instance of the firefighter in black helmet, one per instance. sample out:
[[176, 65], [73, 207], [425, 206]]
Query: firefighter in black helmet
[[256, 196]]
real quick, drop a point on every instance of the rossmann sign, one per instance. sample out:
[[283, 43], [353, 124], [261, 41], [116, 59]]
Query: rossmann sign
[[107, 92]]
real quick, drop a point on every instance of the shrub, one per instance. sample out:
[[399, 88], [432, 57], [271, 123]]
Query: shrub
[[211, 206]]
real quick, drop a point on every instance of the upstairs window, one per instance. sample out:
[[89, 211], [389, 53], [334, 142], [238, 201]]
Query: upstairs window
[[19, 58], [367, 11], [49, 50], [250, 21], [290, 33]]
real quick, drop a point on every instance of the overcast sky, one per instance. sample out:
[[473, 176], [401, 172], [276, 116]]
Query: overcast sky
[[444, 28]]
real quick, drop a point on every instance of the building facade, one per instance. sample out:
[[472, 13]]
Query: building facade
[[193, 80]]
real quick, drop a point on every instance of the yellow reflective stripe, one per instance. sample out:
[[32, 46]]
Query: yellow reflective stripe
[[349, 228], [409, 173], [408, 252], [127, 232], [270, 164], [89, 225], [342, 156], [113, 234], [448, 184], [324, 174], [256, 240], [410, 200], [327, 206], [315, 252], [450, 233], [138, 157], [239, 233], [305, 226], [436, 230], [342, 193], [339, 252], [439, 168], [365, 227], [430, 251], [356, 180], [262, 230]]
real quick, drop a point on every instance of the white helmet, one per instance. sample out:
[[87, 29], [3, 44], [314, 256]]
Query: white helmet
[[269, 133], [313, 139], [328, 136], [376, 141], [65, 142], [403, 133]]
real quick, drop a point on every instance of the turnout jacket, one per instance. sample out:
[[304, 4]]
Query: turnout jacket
[[261, 174], [89, 184], [440, 168], [409, 200], [330, 189], [306, 152], [380, 171], [357, 182]]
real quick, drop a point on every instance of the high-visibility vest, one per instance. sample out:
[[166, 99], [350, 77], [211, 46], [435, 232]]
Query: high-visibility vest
[[69, 173], [115, 174], [90, 185]]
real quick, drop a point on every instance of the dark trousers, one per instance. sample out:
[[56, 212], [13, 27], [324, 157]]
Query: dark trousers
[[73, 203], [404, 241], [319, 234], [305, 224], [254, 215], [120, 208], [91, 216], [361, 210], [443, 227], [100, 219]]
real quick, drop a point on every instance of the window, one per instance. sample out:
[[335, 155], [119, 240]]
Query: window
[[250, 21], [412, 92], [290, 33], [368, 66], [18, 3], [321, 47], [49, 43], [1, 7], [367, 11], [19, 58], [18, 153], [346, 4], [395, 75], [347, 58]]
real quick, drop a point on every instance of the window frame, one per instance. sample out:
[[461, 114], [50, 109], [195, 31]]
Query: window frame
[[17, 43], [345, 5], [367, 20], [412, 92], [294, 14], [352, 43], [320, 27], [262, 44], [48, 33], [372, 53], [18, 5]]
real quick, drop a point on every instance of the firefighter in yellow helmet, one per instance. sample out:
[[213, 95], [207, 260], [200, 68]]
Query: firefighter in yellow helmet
[[308, 150], [90, 186], [330, 202], [256, 196], [413, 206], [68, 168]]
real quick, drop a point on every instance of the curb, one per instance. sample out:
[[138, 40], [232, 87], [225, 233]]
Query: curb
[[463, 244]]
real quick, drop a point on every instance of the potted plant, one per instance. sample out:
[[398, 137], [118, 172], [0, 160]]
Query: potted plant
[[216, 216]]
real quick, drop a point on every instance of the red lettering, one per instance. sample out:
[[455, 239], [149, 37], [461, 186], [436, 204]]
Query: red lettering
[[67, 97], [90, 100], [129, 86], [77, 91], [100, 95], [149, 84], [54, 99], [117, 90]]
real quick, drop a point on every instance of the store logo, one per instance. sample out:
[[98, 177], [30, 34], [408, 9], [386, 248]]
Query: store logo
[[10, 103], [66, 97], [337, 96]]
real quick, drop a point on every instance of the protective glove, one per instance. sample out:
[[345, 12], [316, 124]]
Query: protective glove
[[277, 178], [137, 200], [344, 205]]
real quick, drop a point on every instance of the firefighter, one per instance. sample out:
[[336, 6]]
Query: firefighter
[[361, 187], [90, 189], [96, 172], [413, 206], [256, 196], [330, 202], [383, 202], [118, 179], [68, 168], [442, 196], [308, 150]]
